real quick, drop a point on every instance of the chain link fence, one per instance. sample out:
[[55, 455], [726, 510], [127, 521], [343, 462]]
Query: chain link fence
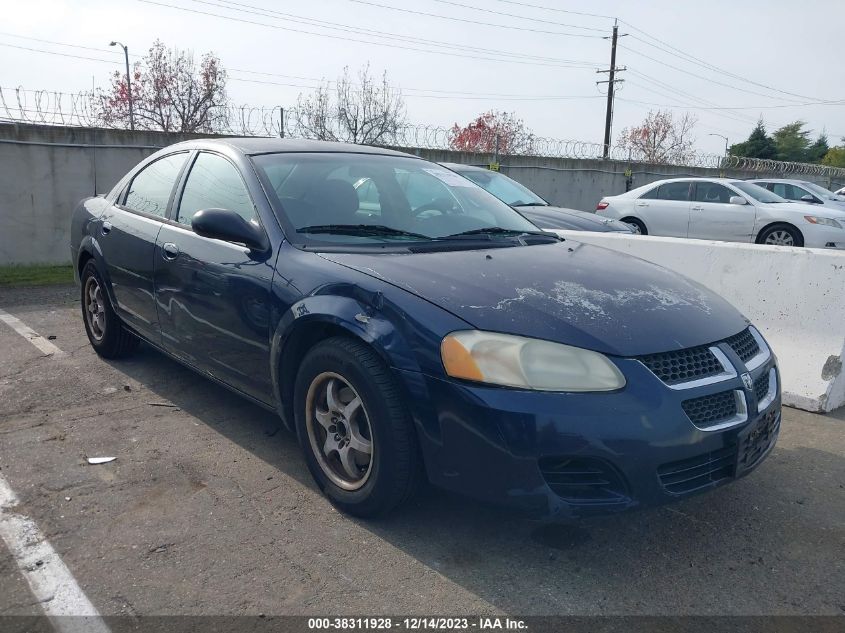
[[44, 107]]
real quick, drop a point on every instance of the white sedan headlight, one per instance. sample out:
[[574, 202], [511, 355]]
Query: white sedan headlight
[[812, 219], [529, 363]]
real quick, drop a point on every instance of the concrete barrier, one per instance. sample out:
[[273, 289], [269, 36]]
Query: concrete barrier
[[795, 297]]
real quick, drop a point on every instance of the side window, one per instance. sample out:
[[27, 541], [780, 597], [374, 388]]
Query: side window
[[712, 192], [214, 183], [674, 191], [150, 189], [651, 194], [369, 199]]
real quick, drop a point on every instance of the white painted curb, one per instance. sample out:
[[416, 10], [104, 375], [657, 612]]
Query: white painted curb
[[795, 297]]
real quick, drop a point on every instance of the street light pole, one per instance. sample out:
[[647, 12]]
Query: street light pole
[[726, 142], [128, 83]]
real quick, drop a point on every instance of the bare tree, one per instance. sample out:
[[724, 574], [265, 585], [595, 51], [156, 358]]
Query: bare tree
[[368, 112], [661, 138], [169, 93]]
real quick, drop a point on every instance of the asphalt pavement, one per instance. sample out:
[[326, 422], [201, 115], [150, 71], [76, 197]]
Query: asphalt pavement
[[209, 509]]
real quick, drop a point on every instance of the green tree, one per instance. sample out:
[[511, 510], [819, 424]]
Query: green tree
[[835, 157], [818, 150], [792, 142], [758, 145]]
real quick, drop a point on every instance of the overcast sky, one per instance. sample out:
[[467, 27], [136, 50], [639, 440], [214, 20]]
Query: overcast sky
[[775, 53]]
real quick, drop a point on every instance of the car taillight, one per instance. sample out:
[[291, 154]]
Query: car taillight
[[601, 206]]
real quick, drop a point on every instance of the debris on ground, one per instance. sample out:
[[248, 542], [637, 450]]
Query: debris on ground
[[101, 460]]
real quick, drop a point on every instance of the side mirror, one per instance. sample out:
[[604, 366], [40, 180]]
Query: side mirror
[[738, 200], [808, 198], [222, 224]]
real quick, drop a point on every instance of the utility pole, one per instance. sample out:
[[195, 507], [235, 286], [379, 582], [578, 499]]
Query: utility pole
[[128, 82], [611, 82]]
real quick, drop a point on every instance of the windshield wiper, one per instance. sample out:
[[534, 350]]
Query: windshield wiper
[[530, 204], [498, 230], [365, 230]]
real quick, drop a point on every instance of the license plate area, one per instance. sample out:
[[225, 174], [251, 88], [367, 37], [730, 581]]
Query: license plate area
[[755, 441]]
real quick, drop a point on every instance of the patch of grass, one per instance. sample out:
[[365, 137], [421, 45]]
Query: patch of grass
[[35, 275]]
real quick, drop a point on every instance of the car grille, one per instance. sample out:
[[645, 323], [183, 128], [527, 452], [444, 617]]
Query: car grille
[[695, 363], [710, 410], [759, 440], [744, 345], [698, 472], [583, 480], [683, 365], [761, 386]]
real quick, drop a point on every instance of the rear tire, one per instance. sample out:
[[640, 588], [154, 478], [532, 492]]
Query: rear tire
[[781, 235], [358, 439], [636, 224], [106, 332]]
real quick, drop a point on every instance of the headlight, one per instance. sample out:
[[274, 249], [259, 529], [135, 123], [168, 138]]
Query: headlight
[[516, 361], [826, 221]]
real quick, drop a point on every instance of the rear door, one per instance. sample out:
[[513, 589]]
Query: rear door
[[128, 232], [713, 217], [665, 209], [213, 296]]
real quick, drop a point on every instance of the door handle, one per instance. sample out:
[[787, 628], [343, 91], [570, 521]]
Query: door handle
[[698, 208], [106, 228], [641, 204], [170, 251]]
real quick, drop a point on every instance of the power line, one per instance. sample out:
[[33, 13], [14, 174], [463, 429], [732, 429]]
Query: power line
[[324, 24], [468, 21], [537, 6], [448, 94], [348, 39], [518, 17], [38, 50], [672, 50]]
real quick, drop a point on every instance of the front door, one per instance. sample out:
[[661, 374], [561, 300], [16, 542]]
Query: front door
[[713, 217], [128, 232], [213, 296]]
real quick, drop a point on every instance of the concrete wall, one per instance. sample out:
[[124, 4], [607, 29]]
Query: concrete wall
[[46, 170], [793, 295]]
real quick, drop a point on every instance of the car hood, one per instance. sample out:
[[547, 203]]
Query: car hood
[[574, 220], [569, 292], [832, 209]]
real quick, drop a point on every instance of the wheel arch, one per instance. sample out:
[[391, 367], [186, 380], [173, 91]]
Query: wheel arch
[[317, 318], [777, 223]]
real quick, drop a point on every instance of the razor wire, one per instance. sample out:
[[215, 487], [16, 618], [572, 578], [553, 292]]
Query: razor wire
[[85, 109]]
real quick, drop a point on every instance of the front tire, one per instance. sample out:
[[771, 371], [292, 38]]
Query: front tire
[[358, 440], [106, 332], [781, 235]]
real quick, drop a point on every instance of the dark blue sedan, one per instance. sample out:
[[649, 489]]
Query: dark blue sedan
[[418, 327]]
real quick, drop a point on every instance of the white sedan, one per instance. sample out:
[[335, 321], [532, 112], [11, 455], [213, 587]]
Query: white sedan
[[724, 209]]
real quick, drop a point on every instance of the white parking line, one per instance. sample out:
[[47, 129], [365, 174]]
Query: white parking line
[[45, 346], [50, 580]]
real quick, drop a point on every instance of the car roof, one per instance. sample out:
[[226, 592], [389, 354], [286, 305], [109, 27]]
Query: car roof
[[788, 181], [462, 167], [256, 145]]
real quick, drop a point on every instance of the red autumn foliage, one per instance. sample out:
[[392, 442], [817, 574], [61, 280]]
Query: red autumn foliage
[[481, 134]]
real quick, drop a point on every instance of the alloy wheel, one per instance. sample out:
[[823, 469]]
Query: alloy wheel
[[780, 237], [339, 431], [95, 309]]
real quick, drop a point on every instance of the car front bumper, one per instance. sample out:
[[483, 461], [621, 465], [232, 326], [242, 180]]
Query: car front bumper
[[820, 236], [576, 455]]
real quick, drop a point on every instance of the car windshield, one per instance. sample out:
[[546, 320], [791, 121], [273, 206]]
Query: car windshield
[[757, 192], [361, 199], [821, 192], [507, 190]]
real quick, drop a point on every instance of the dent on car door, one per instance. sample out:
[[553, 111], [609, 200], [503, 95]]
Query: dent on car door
[[213, 296], [665, 209], [713, 217], [128, 231]]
